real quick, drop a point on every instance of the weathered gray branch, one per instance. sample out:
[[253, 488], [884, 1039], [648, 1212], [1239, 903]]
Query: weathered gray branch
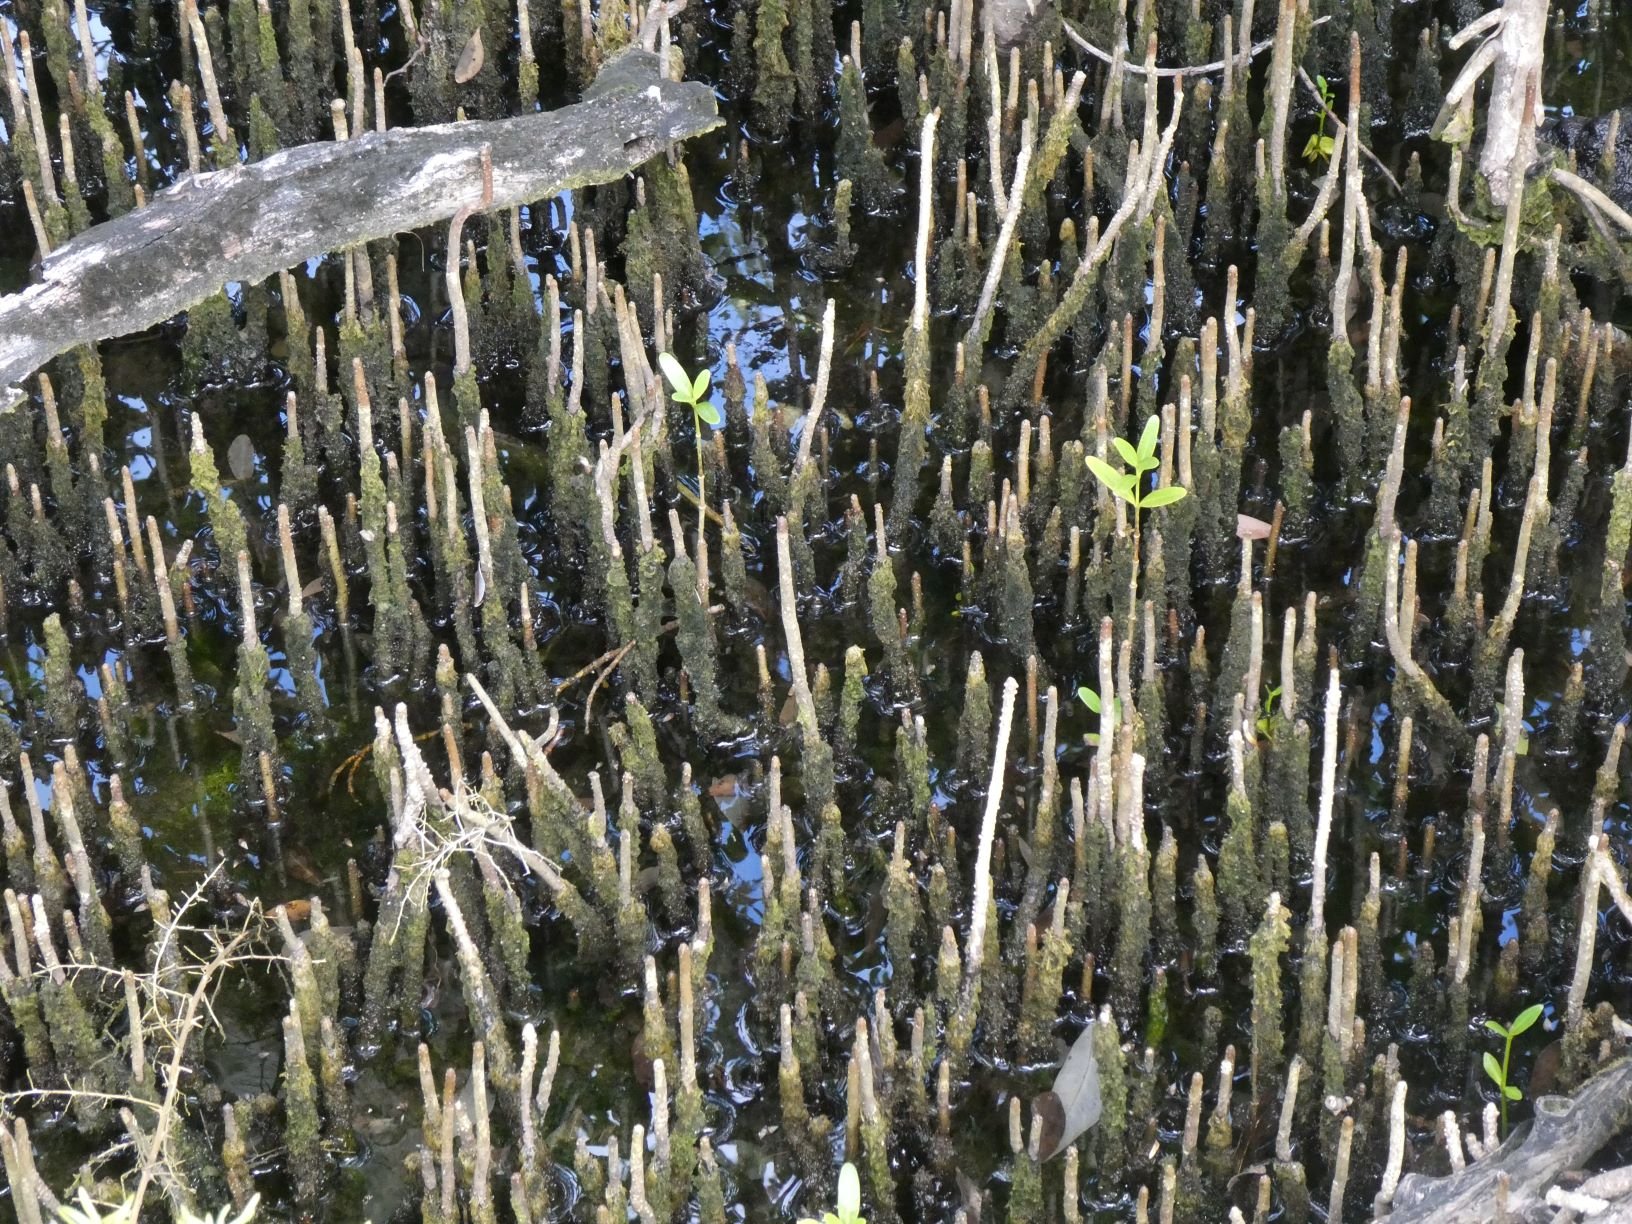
[[1513, 113], [249, 222], [1566, 1132]]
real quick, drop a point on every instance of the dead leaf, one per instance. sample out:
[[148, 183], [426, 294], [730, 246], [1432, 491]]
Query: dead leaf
[[1249, 528], [231, 736], [470, 60], [1051, 1110], [1026, 854], [1076, 1089], [297, 910], [241, 458], [724, 787], [312, 588], [300, 867], [758, 597]]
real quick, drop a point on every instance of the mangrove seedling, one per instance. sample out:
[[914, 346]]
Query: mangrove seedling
[[1498, 1071], [1090, 698], [849, 1204], [1269, 718], [1128, 485], [1319, 145], [693, 392]]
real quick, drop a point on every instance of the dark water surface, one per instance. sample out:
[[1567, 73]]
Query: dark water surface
[[769, 234]]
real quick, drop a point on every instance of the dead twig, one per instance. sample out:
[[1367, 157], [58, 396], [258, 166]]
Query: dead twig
[[1332, 115], [1592, 198], [1258, 48]]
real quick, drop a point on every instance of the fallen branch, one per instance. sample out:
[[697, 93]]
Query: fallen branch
[[1566, 1132], [1257, 49], [251, 221]]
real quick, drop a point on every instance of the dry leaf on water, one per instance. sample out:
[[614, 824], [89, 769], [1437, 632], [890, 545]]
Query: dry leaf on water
[[241, 458], [470, 60], [297, 910], [1072, 1105], [1249, 528]]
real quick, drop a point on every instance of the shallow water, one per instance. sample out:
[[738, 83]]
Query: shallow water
[[766, 242]]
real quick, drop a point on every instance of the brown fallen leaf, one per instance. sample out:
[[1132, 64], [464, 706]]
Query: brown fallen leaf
[[300, 867], [298, 910], [1051, 1110], [1075, 1093], [241, 458], [724, 787], [1249, 528], [759, 598], [470, 60]]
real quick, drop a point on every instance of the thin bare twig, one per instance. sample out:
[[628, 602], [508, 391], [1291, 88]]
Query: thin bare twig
[[1592, 197], [1258, 48], [1332, 115]]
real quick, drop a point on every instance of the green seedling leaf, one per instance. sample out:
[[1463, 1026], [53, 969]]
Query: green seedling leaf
[[849, 1201], [1125, 449], [1495, 1026], [699, 385], [1119, 483], [708, 413], [1147, 443], [1493, 1069], [1311, 148], [1164, 496], [1089, 698], [1512, 1093], [677, 376], [1525, 1019]]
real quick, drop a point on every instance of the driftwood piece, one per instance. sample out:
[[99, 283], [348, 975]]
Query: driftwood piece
[[1510, 132], [246, 223], [1565, 1133]]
